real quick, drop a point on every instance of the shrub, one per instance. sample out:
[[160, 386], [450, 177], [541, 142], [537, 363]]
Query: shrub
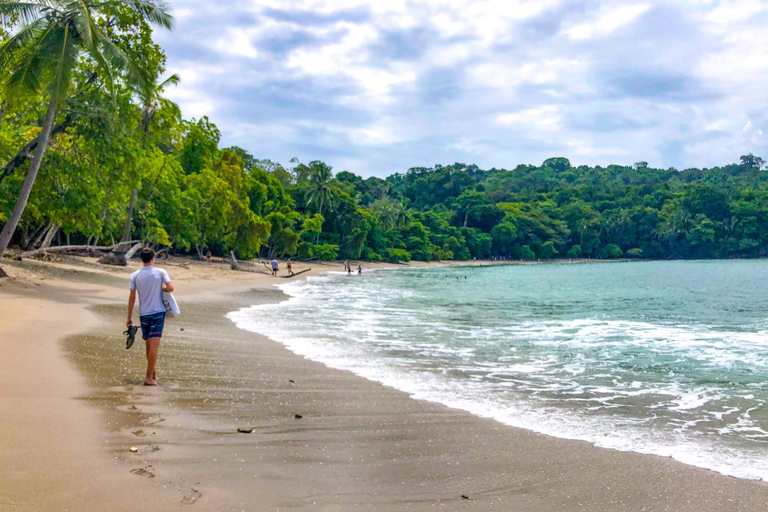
[[548, 251], [397, 255], [635, 253], [526, 253], [610, 251], [574, 252], [325, 252]]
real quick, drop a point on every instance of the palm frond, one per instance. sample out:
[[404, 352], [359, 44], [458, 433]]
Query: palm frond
[[84, 23], [21, 40], [63, 40], [174, 79], [120, 61], [34, 59], [27, 12]]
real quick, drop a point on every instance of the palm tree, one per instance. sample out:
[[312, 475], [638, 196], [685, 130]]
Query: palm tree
[[53, 36], [320, 190], [150, 95], [401, 214]]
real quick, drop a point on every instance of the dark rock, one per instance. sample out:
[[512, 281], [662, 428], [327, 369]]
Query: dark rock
[[245, 430], [298, 416]]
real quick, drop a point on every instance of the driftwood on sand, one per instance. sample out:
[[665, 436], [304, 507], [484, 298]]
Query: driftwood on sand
[[296, 274], [62, 248], [119, 258], [184, 265]]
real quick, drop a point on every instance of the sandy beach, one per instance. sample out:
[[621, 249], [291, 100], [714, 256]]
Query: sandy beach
[[72, 405]]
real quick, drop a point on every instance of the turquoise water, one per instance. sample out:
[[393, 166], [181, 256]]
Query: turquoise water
[[669, 358]]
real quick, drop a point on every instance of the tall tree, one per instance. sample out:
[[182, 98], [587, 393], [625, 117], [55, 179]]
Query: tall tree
[[53, 36], [321, 192]]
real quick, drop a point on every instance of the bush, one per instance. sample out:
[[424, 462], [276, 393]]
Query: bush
[[611, 251], [574, 252], [548, 251], [526, 253], [397, 255], [635, 253], [369, 255], [325, 252]]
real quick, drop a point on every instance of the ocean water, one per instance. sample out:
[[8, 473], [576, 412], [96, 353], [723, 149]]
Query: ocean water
[[666, 358]]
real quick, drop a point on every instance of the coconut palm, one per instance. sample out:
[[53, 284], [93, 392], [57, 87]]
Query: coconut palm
[[150, 94], [52, 37], [321, 192]]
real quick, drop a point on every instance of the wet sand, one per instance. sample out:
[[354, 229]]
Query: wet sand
[[357, 446]]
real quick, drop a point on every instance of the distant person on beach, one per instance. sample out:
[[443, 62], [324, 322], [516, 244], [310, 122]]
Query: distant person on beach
[[289, 267], [346, 265], [349, 269], [150, 283], [208, 257], [359, 270], [274, 268]]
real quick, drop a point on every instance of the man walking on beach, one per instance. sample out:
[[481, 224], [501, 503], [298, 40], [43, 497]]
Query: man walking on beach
[[150, 282], [274, 268]]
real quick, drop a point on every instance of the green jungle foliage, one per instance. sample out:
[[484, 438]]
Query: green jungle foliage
[[114, 140]]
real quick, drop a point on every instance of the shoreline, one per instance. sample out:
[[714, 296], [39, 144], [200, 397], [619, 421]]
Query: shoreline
[[367, 436]]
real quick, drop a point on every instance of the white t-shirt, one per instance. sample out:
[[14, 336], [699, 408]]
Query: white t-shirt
[[148, 282]]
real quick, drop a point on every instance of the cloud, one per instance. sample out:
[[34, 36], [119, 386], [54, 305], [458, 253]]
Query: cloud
[[377, 87]]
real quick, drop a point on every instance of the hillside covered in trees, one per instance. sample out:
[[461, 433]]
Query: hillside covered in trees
[[121, 163]]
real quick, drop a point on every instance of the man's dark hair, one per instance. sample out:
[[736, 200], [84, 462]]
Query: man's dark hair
[[147, 255]]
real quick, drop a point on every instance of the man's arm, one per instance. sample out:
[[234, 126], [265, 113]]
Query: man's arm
[[131, 303], [167, 284]]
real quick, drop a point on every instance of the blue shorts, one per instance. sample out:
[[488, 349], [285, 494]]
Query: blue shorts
[[152, 325]]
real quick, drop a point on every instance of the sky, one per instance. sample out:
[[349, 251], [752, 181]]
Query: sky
[[377, 87]]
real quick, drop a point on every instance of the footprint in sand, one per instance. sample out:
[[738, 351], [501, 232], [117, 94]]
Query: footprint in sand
[[190, 496], [153, 420], [143, 472]]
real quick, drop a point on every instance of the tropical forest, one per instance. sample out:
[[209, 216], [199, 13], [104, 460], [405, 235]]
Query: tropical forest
[[92, 153]]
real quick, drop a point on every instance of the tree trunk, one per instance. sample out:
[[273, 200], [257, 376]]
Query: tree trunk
[[317, 238], [466, 218], [133, 250], [129, 218], [52, 231], [29, 181]]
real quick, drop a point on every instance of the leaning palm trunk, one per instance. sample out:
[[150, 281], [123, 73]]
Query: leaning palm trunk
[[29, 181]]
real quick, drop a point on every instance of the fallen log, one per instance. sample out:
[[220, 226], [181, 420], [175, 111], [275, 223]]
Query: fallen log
[[295, 274], [184, 265], [62, 248]]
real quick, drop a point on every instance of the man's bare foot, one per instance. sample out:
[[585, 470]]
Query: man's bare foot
[[149, 382]]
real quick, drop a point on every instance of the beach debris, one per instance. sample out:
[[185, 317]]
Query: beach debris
[[292, 381], [298, 416], [296, 274], [464, 497], [181, 329], [143, 472], [139, 433], [134, 449], [245, 430]]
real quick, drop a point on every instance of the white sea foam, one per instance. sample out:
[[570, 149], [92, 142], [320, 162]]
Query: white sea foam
[[349, 328]]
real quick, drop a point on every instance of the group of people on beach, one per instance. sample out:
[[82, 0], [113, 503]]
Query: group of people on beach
[[276, 267], [348, 268]]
